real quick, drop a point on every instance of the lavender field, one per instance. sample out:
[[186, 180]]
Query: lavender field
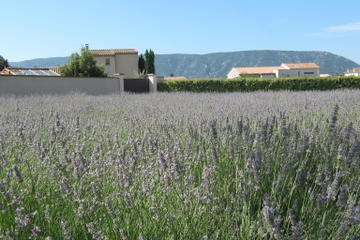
[[262, 165]]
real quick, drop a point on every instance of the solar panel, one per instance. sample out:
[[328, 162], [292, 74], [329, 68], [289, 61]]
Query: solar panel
[[29, 72], [51, 73], [24, 72], [38, 72], [34, 72]]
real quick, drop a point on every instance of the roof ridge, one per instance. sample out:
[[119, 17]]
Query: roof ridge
[[258, 67], [111, 49], [112, 52]]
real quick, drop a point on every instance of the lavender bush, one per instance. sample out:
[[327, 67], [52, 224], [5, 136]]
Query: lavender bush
[[261, 165]]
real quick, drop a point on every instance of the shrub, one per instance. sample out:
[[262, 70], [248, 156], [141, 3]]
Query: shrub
[[256, 84]]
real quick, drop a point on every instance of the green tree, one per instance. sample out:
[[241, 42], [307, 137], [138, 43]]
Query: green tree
[[3, 63], [83, 65], [152, 61], [147, 66], [141, 64], [149, 61]]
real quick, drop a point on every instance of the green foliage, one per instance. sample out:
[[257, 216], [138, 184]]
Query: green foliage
[[149, 61], [3, 63], [246, 75], [259, 84], [83, 65], [141, 63]]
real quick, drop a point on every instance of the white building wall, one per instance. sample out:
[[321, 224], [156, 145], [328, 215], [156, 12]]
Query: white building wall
[[356, 74], [235, 74], [232, 74], [297, 73]]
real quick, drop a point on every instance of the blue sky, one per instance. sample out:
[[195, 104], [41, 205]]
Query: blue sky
[[39, 28]]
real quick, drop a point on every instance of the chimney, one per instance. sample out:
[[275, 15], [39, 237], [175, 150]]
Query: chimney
[[87, 47]]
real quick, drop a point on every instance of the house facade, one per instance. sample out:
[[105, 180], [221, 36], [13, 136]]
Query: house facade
[[117, 61], [353, 72], [285, 70]]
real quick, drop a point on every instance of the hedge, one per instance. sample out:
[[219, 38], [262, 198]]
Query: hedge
[[257, 84]]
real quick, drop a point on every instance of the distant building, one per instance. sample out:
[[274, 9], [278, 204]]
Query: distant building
[[325, 75], [30, 71], [262, 72], [171, 78], [353, 72], [285, 70], [117, 61]]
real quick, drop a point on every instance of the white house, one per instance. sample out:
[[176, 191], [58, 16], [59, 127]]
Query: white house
[[285, 70], [353, 72], [262, 72], [117, 61], [298, 70]]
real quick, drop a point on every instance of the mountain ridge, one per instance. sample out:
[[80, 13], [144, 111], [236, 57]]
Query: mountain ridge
[[218, 64]]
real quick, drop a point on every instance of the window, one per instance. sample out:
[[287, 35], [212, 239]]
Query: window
[[107, 61], [309, 73]]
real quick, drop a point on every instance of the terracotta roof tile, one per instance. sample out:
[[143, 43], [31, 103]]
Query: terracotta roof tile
[[354, 70], [257, 70], [111, 52]]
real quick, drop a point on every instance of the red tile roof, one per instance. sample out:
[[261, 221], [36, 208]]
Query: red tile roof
[[257, 70], [111, 52], [354, 70]]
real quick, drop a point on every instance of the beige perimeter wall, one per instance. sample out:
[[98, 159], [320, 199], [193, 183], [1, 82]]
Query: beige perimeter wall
[[30, 85]]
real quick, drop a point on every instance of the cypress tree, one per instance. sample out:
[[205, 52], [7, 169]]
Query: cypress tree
[[147, 63], [152, 61], [141, 64]]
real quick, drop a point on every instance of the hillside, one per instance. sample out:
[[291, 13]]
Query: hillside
[[215, 65], [219, 64], [41, 62]]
